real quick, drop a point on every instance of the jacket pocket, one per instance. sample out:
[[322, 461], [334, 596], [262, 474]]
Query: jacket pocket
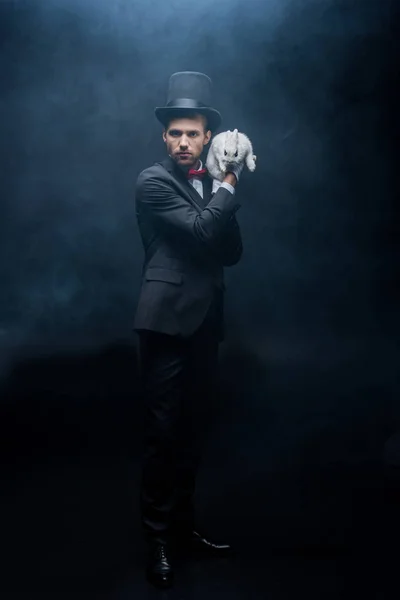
[[160, 274]]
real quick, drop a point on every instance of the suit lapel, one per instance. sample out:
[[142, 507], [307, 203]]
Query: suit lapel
[[187, 189]]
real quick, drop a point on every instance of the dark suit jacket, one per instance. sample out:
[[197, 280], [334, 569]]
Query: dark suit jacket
[[187, 242]]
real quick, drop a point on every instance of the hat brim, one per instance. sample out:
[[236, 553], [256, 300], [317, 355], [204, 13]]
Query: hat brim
[[164, 114]]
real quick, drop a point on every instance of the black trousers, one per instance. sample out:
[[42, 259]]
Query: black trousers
[[179, 383]]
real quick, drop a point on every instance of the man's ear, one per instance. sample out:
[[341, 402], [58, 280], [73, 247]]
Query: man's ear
[[207, 137], [164, 135]]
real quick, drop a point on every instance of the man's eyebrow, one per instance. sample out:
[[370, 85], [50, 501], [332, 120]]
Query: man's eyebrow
[[174, 129]]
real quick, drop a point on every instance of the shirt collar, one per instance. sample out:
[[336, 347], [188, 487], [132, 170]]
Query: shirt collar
[[200, 167]]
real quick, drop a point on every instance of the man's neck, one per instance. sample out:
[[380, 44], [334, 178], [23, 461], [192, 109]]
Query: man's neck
[[196, 167]]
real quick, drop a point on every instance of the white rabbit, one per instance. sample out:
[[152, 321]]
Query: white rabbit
[[229, 148]]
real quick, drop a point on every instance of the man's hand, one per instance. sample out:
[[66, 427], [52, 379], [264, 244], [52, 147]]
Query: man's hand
[[236, 170], [231, 179]]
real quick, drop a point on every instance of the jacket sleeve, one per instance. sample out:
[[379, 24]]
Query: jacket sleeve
[[180, 222]]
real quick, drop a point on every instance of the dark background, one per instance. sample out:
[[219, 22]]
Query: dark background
[[303, 456]]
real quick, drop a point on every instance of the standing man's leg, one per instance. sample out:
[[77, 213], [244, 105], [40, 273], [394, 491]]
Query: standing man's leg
[[195, 422], [162, 363]]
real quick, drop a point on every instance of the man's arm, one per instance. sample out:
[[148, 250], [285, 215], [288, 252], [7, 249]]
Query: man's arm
[[229, 247], [231, 179], [178, 221]]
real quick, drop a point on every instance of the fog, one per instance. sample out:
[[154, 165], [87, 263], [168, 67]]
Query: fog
[[309, 365]]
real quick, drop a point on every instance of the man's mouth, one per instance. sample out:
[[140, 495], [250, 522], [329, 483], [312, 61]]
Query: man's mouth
[[184, 154]]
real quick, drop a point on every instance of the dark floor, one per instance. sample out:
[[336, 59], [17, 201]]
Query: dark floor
[[294, 477], [70, 530]]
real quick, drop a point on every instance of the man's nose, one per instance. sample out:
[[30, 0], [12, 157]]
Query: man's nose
[[183, 142]]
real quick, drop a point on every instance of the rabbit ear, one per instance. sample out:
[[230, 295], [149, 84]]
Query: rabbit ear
[[235, 131]]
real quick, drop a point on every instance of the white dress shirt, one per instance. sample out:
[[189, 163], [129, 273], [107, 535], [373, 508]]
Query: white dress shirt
[[197, 183]]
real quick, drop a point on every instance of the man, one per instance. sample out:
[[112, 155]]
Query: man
[[189, 232]]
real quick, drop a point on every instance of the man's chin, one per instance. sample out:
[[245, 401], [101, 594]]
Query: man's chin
[[185, 161]]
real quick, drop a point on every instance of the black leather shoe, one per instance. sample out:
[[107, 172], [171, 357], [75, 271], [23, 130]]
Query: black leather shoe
[[199, 543], [159, 570]]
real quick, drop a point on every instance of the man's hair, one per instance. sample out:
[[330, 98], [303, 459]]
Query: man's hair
[[186, 114]]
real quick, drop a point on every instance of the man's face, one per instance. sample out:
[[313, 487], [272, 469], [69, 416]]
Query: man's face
[[185, 139]]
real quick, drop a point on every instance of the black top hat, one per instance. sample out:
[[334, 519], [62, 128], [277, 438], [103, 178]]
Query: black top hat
[[189, 90]]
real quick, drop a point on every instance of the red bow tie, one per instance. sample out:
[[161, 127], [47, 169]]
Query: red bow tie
[[193, 173]]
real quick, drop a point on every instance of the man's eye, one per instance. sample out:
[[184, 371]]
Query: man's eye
[[193, 133]]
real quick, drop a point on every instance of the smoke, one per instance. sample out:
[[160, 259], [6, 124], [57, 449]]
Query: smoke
[[80, 83]]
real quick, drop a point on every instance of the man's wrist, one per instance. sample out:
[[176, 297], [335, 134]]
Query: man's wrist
[[218, 184], [228, 187], [230, 178]]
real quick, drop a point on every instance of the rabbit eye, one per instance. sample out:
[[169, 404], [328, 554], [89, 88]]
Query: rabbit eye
[[236, 153], [225, 152]]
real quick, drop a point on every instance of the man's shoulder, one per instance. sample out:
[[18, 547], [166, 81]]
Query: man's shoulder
[[156, 170], [163, 168], [159, 173]]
